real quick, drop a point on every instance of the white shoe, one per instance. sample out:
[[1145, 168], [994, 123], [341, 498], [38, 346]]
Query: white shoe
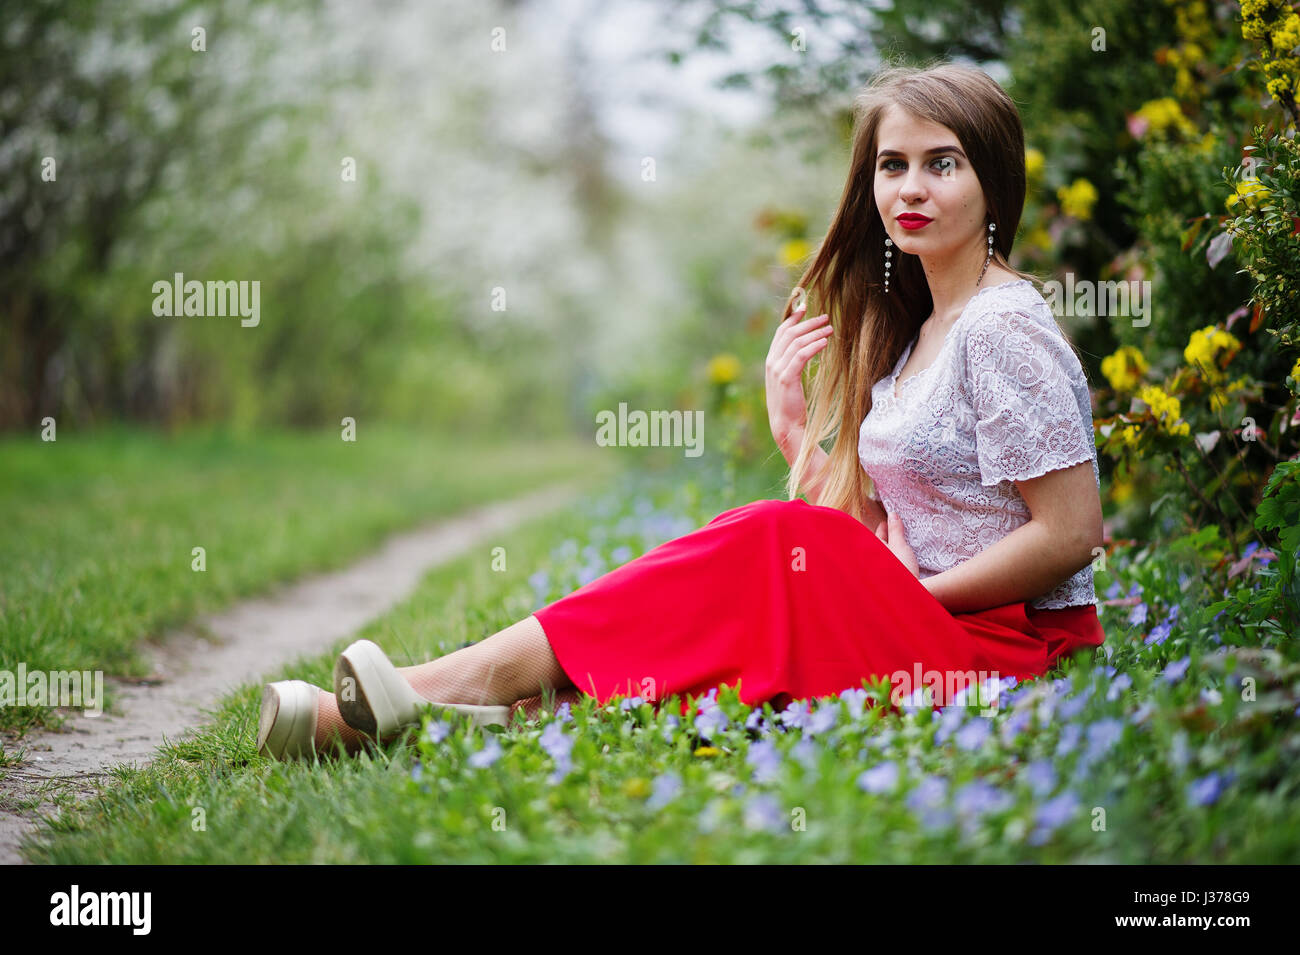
[[376, 699], [286, 728]]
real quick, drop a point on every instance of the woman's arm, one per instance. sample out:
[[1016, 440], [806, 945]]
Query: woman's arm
[[1054, 544], [814, 477]]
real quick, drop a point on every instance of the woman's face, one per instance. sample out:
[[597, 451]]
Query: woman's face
[[939, 185]]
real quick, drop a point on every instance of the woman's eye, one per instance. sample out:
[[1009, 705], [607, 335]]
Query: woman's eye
[[888, 164]]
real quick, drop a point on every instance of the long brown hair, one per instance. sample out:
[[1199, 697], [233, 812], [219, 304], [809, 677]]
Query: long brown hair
[[846, 276]]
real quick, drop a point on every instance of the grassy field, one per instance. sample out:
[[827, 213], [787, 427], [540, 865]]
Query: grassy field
[[1148, 752], [97, 552]]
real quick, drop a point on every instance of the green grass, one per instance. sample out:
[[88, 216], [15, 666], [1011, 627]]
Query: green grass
[[1153, 757], [99, 528]]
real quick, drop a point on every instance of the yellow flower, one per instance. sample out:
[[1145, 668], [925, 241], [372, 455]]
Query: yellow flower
[[1077, 198], [1125, 368], [794, 251], [1164, 113], [1205, 347], [1131, 435], [1286, 37], [1295, 370], [1034, 163], [1166, 409], [1220, 397], [1251, 190], [724, 368], [707, 751], [1039, 238], [1121, 491], [636, 788]]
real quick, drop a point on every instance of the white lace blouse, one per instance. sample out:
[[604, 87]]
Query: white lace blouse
[[1006, 399]]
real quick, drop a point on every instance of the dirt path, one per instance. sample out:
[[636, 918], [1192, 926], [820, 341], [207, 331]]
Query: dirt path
[[191, 673]]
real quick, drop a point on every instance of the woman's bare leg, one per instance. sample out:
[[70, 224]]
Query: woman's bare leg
[[512, 664]]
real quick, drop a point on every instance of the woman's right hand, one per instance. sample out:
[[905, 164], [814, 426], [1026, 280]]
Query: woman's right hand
[[795, 342]]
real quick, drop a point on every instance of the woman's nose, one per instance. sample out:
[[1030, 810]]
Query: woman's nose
[[911, 187]]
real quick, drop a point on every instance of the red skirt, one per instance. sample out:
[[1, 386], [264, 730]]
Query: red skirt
[[788, 601]]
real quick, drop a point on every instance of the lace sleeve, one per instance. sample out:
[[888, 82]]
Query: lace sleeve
[[1022, 376]]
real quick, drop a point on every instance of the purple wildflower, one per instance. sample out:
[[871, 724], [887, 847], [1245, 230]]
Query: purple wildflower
[[1142, 713], [711, 722], [630, 703], [1069, 739], [670, 726], [973, 735], [1102, 737], [805, 752], [857, 701], [665, 788], [1056, 812], [1014, 725], [794, 715], [1160, 632], [978, 797], [1040, 776], [881, 778], [710, 818], [927, 800], [951, 718], [1072, 706], [488, 755], [1174, 672], [825, 717], [437, 731], [766, 760], [1118, 686], [553, 740], [1138, 615], [763, 812]]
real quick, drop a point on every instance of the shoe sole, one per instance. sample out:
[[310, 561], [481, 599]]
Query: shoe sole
[[356, 712], [282, 738], [383, 703]]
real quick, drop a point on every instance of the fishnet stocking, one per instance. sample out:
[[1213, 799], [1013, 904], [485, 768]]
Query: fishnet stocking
[[512, 664], [329, 722]]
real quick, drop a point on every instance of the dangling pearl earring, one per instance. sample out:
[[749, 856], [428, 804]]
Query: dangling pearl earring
[[988, 258], [888, 255]]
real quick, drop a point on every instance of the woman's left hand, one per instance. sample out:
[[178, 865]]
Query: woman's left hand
[[891, 532]]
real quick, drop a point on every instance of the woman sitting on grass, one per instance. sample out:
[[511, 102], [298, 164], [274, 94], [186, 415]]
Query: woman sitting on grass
[[970, 553]]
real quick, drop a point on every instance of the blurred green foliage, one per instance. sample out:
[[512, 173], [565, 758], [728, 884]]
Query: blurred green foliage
[[127, 155]]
